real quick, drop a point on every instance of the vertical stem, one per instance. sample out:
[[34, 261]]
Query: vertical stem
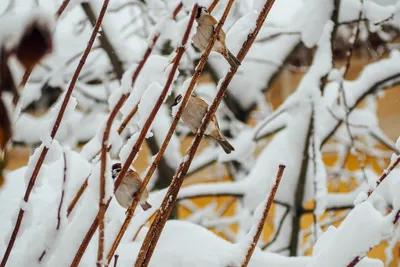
[[62, 8], [77, 196], [103, 164], [212, 6], [105, 42], [261, 223], [62, 193], [294, 240]]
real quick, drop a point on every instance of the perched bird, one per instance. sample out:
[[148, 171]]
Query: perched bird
[[128, 188], [193, 115], [205, 30]]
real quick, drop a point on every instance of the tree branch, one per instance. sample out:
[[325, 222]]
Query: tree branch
[[105, 42], [294, 240], [261, 222]]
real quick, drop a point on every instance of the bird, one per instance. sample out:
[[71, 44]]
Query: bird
[[129, 186], [193, 115], [205, 29]]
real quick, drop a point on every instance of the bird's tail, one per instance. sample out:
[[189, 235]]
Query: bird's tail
[[226, 146], [145, 206], [232, 60]]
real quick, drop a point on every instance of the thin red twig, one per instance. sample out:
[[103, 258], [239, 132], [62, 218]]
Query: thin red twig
[[170, 198], [103, 164], [53, 132], [212, 6], [77, 196], [62, 8], [62, 193], [61, 202], [385, 174], [261, 223]]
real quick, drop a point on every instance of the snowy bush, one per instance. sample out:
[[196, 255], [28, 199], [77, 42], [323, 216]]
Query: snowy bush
[[104, 86]]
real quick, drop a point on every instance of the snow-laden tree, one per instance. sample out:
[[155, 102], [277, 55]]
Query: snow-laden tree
[[111, 70]]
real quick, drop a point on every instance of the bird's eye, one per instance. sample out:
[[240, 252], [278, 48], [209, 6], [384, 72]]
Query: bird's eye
[[177, 100], [116, 167], [198, 12]]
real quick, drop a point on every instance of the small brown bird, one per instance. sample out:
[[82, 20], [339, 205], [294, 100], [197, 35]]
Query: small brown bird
[[128, 188], [193, 115], [205, 30]]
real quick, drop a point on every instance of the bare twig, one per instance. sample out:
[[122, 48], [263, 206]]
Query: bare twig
[[275, 35], [396, 217], [385, 174], [62, 8], [267, 121], [300, 190], [177, 9], [278, 231], [213, 5], [54, 132], [77, 196], [344, 100], [61, 202], [62, 193], [261, 223], [169, 200], [127, 119], [103, 164], [135, 149], [357, 259], [105, 42], [314, 160]]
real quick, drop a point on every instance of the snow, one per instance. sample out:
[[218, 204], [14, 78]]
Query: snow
[[148, 101], [153, 71], [126, 149], [244, 148], [311, 19], [354, 237], [161, 126]]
